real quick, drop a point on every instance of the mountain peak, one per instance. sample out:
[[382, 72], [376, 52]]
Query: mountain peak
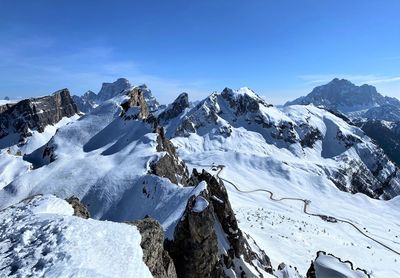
[[110, 90], [342, 95]]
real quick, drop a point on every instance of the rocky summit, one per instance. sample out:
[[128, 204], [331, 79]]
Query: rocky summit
[[18, 120]]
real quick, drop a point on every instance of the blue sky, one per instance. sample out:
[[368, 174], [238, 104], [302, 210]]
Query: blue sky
[[281, 49]]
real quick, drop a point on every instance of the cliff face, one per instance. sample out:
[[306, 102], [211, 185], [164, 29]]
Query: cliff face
[[19, 119], [207, 240], [155, 257]]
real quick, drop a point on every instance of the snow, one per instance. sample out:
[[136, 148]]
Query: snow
[[41, 238], [255, 161], [328, 266], [12, 163], [290, 236], [200, 204], [6, 101], [104, 160]]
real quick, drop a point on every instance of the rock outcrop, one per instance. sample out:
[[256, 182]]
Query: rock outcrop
[[80, 209], [155, 257], [135, 107], [90, 100], [175, 108], [19, 119], [170, 165], [208, 221], [86, 102]]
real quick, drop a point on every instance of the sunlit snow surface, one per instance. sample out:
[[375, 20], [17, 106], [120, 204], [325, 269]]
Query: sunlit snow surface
[[281, 228], [105, 160], [11, 163], [41, 238]]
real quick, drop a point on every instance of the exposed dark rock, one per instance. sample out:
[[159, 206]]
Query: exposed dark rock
[[110, 90], [311, 271], [135, 107], [243, 103], [155, 257], [87, 102], [348, 140], [175, 108], [199, 234], [35, 114], [311, 137], [195, 246], [80, 209], [342, 95], [170, 165], [387, 136]]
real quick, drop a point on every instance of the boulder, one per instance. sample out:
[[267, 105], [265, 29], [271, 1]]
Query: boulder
[[80, 209]]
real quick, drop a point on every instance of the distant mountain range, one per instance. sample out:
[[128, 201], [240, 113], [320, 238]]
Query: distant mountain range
[[90, 100], [376, 114], [355, 101]]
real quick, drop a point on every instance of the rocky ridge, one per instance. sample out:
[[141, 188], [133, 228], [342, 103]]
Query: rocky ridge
[[208, 221], [18, 120]]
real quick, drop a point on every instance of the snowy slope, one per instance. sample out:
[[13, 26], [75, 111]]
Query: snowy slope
[[242, 121], [40, 238], [104, 160], [262, 148], [12, 163]]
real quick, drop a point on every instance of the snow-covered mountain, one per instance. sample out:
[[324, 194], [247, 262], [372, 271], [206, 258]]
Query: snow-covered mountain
[[364, 105], [90, 100], [213, 175], [343, 96]]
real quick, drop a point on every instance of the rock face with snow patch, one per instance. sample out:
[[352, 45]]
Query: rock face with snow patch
[[80, 209], [135, 107], [86, 102], [208, 242], [152, 243], [110, 90], [386, 134], [19, 119], [169, 165], [175, 108], [344, 96], [90, 100], [361, 166]]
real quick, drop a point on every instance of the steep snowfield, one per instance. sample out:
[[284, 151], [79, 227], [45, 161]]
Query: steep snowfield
[[290, 170], [41, 238], [104, 160], [12, 164]]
